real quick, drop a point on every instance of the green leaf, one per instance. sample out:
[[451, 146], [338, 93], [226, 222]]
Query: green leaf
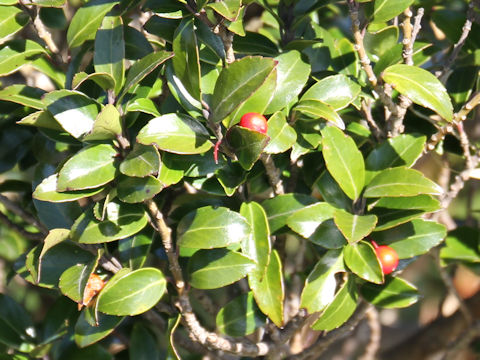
[[132, 292], [207, 37], [16, 325], [87, 20], [124, 220], [413, 238], [337, 91], [354, 227], [385, 10], [461, 245], [107, 125], [90, 168], [135, 190], [110, 50], [402, 150], [176, 133], [73, 110], [24, 95], [186, 62], [422, 87], [104, 80], [268, 289], [340, 309], [54, 237], [257, 246], [231, 177], [49, 3], [381, 41], [143, 343], [86, 334], [209, 227], [14, 54], [344, 161], [215, 268], [395, 211], [305, 221], [240, 317], [344, 57], [247, 144], [133, 251], [401, 181], [292, 75], [142, 68], [73, 281], [41, 119], [280, 207], [144, 105], [136, 44], [317, 109], [282, 135], [319, 289], [361, 259], [331, 192], [47, 191], [328, 236], [229, 9], [143, 160], [395, 293], [237, 83]]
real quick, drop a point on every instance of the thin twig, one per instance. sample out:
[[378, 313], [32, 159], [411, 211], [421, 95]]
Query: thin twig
[[27, 217], [462, 341], [273, 174], [367, 112], [375, 335]]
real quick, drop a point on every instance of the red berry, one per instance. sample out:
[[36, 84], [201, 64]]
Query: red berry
[[387, 256], [255, 122]]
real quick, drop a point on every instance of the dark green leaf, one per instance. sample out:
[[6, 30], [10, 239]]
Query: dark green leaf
[[461, 244], [135, 190], [231, 177], [331, 192], [344, 161], [395, 293], [104, 80], [136, 44], [344, 57], [132, 292], [248, 145], [381, 41], [133, 251], [143, 343], [360, 257], [176, 133], [354, 227], [328, 236], [73, 281], [16, 325], [47, 191], [86, 334], [215, 268]]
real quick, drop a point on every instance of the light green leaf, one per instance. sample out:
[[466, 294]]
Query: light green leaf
[[305, 221], [420, 86], [90, 168], [354, 227], [73, 281], [317, 109], [209, 227], [47, 191], [385, 10], [282, 135], [107, 125], [104, 80], [132, 293], [401, 181], [14, 54], [133, 251], [136, 189], [143, 160], [344, 161], [215, 268], [24, 95], [176, 133], [461, 245], [361, 259], [229, 9], [395, 293]]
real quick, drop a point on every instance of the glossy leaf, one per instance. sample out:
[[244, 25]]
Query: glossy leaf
[[344, 161], [73, 281], [229, 9], [87, 20], [12, 20], [143, 160], [319, 289], [282, 135], [344, 57], [340, 309], [292, 75], [411, 239], [361, 259], [318, 109], [142, 68], [461, 244], [400, 181], [402, 150], [186, 62], [395, 293], [47, 191], [331, 192], [337, 91], [237, 83], [328, 236], [132, 292], [110, 50], [74, 111], [279, 209], [135, 190], [215, 268], [14, 54], [90, 168], [268, 289], [104, 80], [87, 334], [133, 251], [385, 10], [240, 316], [305, 221], [23, 94], [209, 227], [381, 41], [124, 220], [231, 177], [248, 145], [422, 87], [395, 211], [41, 119], [144, 105], [176, 133], [107, 125], [354, 227]]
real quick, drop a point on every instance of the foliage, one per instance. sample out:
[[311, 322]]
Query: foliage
[[110, 167]]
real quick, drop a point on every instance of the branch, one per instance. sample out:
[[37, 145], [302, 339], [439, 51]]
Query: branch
[[375, 335], [462, 341], [273, 174], [27, 217], [367, 112]]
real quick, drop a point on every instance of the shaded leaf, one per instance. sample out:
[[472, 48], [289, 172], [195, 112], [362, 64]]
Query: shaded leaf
[[135, 190], [305, 221], [318, 109], [23, 94], [395, 293], [248, 145], [87, 334]]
